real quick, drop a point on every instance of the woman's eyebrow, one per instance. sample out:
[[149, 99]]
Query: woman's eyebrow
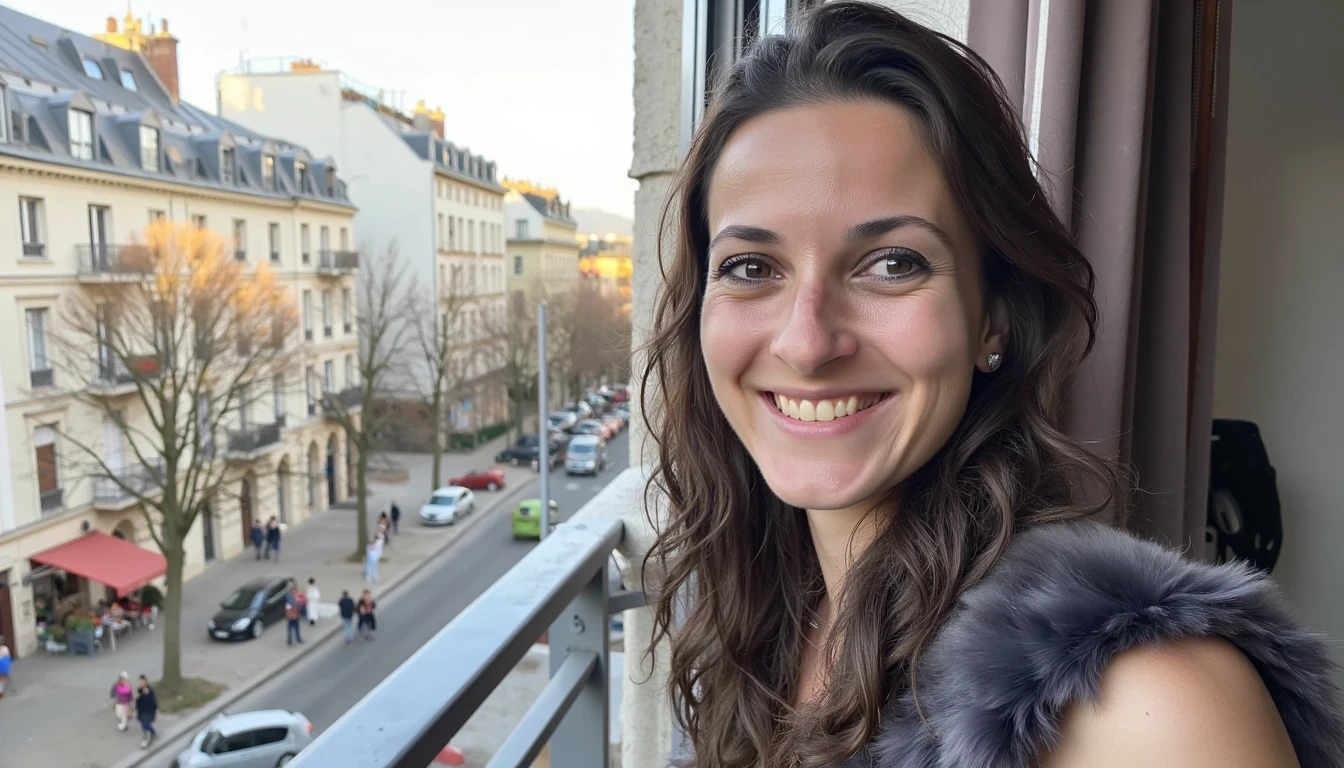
[[878, 227], [747, 233]]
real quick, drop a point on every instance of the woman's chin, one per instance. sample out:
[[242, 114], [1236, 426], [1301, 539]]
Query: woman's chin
[[818, 483]]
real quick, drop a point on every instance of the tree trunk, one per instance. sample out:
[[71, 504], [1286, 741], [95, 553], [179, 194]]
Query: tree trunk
[[172, 612], [362, 508], [436, 426]]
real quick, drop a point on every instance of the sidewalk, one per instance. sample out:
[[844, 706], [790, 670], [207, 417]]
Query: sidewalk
[[59, 713]]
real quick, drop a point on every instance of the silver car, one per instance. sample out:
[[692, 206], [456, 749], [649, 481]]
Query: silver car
[[262, 739]]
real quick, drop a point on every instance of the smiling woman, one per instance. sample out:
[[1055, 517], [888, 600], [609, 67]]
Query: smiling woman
[[877, 546]]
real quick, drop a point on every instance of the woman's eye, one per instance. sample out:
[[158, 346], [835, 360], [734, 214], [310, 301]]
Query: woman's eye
[[895, 267], [748, 269]]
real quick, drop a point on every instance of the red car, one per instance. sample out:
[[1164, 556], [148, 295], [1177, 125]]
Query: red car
[[480, 479]]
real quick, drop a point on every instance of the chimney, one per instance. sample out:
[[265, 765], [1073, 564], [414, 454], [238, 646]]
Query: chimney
[[111, 24], [436, 122], [160, 52], [420, 116]]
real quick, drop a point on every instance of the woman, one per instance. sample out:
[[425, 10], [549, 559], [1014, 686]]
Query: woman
[[122, 696], [877, 548], [312, 597], [372, 554], [146, 710], [368, 620]]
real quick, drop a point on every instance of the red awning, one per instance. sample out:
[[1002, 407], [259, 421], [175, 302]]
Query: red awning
[[108, 560]]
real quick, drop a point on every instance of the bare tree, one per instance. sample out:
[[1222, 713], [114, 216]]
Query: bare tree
[[511, 353], [444, 347], [385, 332], [169, 342]]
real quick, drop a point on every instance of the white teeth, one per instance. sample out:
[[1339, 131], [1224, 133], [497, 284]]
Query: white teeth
[[825, 410]]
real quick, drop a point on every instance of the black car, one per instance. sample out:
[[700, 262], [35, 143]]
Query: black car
[[247, 611], [524, 452]]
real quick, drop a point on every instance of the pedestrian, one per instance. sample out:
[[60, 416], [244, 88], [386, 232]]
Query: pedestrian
[[273, 539], [146, 711], [384, 526], [312, 598], [122, 694], [368, 623], [293, 612], [372, 555], [258, 537], [396, 518], [5, 663], [347, 608]]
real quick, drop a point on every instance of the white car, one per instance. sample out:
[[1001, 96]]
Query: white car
[[447, 504], [262, 739]]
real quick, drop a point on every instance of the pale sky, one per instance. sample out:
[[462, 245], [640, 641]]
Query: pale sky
[[544, 87]]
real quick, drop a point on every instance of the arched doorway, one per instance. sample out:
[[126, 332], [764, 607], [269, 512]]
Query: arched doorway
[[245, 510], [331, 470], [312, 476], [208, 531], [125, 530], [282, 489]]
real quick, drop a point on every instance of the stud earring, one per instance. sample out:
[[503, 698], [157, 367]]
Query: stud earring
[[993, 361]]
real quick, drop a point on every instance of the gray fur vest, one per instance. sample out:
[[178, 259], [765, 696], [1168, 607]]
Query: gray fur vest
[[1037, 632]]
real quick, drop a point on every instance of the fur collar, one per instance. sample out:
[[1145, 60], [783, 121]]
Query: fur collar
[[1037, 632]]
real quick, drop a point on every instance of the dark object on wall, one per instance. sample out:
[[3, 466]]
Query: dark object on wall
[[1243, 516]]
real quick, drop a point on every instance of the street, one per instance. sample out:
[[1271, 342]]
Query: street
[[327, 683]]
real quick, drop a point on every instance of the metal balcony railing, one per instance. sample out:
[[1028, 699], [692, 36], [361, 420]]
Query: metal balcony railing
[[112, 260], [42, 377], [34, 250], [240, 255], [52, 500], [347, 400], [337, 262], [127, 482], [254, 438], [559, 588]]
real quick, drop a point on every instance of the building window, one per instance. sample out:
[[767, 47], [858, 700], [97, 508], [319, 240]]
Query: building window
[[240, 240], [443, 240], [149, 148], [268, 171], [81, 134], [92, 69], [278, 398], [48, 479], [345, 239], [349, 371], [345, 310], [304, 243], [471, 235], [483, 241], [452, 235], [30, 227], [329, 376], [273, 238], [128, 80], [198, 221], [517, 265], [324, 240], [330, 185], [4, 113], [227, 166], [156, 215], [520, 229], [39, 366], [326, 314], [308, 379], [301, 176], [307, 315]]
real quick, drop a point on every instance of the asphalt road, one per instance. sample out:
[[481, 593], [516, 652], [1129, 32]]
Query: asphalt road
[[331, 680]]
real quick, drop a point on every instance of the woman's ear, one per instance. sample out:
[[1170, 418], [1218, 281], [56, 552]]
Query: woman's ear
[[993, 336]]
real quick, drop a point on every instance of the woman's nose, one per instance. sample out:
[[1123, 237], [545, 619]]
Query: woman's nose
[[814, 333]]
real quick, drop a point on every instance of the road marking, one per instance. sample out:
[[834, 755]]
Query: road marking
[[571, 486]]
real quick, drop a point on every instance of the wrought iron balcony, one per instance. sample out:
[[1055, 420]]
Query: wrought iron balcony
[[560, 588], [34, 250], [337, 263], [42, 377], [240, 255], [52, 500], [101, 263], [254, 441], [348, 400], [112, 378], [120, 490]]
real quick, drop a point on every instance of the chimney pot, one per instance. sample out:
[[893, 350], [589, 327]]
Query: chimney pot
[[111, 23], [165, 26]]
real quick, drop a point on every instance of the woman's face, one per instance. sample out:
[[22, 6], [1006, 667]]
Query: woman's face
[[843, 316]]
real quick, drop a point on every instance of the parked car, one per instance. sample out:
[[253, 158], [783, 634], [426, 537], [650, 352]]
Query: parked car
[[622, 393], [249, 608], [527, 518], [592, 427], [581, 409], [262, 739], [624, 412], [491, 479], [615, 422], [447, 504], [598, 403], [563, 420], [523, 451], [587, 455]]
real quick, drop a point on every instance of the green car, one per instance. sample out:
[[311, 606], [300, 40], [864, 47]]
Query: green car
[[527, 518]]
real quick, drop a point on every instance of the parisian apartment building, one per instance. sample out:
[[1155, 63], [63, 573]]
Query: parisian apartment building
[[437, 205], [95, 144], [542, 242]]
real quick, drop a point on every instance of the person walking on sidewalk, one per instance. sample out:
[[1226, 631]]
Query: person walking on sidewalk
[[347, 609], [273, 539], [396, 518], [122, 694], [146, 711], [384, 526], [372, 555], [293, 614], [258, 537], [368, 623], [6, 662], [311, 598]]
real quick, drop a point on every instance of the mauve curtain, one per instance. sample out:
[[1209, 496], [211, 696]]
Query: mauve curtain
[[1124, 105]]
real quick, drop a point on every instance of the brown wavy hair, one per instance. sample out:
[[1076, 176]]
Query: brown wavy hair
[[734, 574]]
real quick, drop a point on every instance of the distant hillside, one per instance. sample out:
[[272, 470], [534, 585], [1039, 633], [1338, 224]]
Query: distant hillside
[[593, 221]]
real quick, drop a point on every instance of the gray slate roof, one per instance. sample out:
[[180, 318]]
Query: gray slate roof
[[551, 208], [447, 157], [42, 76]]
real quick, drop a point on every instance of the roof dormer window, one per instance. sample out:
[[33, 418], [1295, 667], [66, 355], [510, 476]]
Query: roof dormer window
[[128, 80], [228, 164], [149, 148], [268, 171], [92, 69], [81, 134], [4, 112], [301, 176], [331, 182]]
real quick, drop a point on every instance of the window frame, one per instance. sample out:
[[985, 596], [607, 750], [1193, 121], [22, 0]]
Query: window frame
[[32, 216], [228, 165], [79, 144], [273, 241], [128, 80], [268, 171], [96, 73], [39, 352], [150, 160]]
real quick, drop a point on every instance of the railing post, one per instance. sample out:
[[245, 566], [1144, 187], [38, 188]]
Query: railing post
[[582, 738]]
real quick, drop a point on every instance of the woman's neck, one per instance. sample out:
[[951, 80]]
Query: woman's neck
[[839, 536]]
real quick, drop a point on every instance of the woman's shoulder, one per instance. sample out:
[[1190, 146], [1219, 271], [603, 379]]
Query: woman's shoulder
[[1041, 630]]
